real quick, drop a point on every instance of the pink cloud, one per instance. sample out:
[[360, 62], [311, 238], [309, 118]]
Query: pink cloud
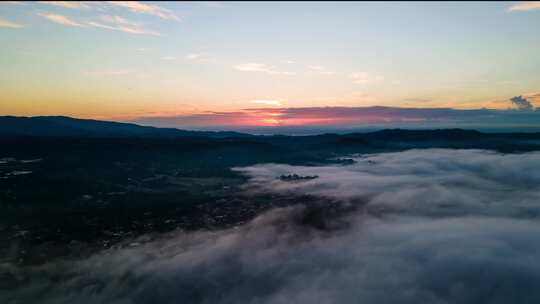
[[60, 19], [146, 8], [344, 117], [9, 24]]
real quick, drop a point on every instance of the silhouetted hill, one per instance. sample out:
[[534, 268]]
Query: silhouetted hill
[[66, 127], [445, 134], [61, 126]]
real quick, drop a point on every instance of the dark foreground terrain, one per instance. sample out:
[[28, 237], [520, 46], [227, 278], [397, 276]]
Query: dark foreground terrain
[[65, 194]]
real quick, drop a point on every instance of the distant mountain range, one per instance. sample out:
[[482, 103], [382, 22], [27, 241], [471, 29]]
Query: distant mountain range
[[61, 126]]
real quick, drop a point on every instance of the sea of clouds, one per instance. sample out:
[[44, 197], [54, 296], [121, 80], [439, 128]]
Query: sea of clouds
[[428, 226]]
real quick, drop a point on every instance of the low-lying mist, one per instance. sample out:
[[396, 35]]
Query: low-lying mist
[[421, 226], [419, 182]]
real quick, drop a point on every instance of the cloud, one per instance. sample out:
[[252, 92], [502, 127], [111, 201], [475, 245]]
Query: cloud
[[8, 24], [421, 226], [521, 103], [131, 74], [60, 19], [146, 8], [525, 6], [66, 4], [117, 23], [260, 67], [441, 182], [320, 70], [315, 67], [123, 28], [199, 58], [351, 118], [109, 72], [365, 78], [12, 3], [132, 6], [360, 77], [208, 119], [269, 102], [533, 97], [193, 56]]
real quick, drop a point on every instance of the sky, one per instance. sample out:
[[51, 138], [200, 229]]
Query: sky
[[242, 64]]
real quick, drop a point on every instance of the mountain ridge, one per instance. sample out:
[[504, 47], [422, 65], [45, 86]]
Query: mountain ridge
[[64, 126]]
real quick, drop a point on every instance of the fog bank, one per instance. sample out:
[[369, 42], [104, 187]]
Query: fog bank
[[431, 226]]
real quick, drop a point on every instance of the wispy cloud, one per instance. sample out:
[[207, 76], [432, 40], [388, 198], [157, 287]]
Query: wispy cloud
[[535, 97], [320, 70], [108, 72], [315, 67], [268, 102], [116, 73], [193, 56], [525, 6], [124, 28], [360, 77], [145, 8], [12, 2], [8, 24], [60, 19], [365, 78], [66, 4], [199, 58], [132, 6], [260, 67], [115, 23]]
